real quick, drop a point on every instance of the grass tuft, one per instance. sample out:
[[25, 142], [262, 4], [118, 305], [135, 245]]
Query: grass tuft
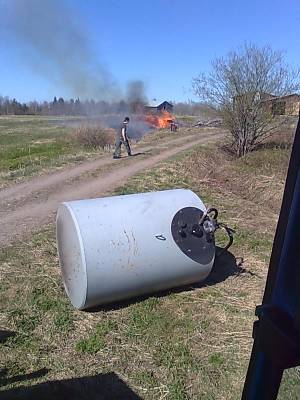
[[96, 341]]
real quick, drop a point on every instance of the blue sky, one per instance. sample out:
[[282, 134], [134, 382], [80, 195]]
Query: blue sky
[[162, 42]]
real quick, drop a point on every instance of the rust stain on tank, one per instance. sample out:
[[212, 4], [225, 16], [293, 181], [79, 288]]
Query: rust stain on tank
[[135, 245]]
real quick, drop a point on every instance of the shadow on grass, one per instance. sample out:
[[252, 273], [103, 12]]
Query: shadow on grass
[[100, 387], [225, 266], [4, 380], [134, 155], [138, 154], [273, 144], [4, 335]]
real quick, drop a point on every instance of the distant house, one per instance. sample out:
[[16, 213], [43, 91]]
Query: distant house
[[251, 97], [164, 106], [285, 105], [277, 105]]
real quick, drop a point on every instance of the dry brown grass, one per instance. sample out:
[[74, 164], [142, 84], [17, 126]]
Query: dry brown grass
[[164, 135], [95, 136], [258, 177]]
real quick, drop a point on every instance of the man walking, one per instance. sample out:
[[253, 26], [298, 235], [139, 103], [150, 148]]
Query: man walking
[[122, 138]]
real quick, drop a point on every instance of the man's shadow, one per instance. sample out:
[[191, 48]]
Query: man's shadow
[[134, 155], [138, 154]]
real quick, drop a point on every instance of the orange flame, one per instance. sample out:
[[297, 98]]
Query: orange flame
[[161, 120]]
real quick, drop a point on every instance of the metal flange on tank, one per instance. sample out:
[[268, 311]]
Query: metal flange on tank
[[115, 248]]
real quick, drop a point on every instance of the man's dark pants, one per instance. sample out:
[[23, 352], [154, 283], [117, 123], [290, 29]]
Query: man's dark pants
[[119, 143]]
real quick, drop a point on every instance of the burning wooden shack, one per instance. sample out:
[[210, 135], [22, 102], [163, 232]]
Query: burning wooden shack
[[160, 116]]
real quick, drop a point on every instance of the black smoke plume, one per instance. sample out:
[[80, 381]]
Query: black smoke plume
[[56, 47], [136, 96]]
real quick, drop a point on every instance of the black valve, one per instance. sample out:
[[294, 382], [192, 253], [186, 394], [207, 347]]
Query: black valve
[[197, 231], [182, 224], [182, 232]]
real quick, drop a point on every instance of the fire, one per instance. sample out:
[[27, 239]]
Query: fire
[[161, 120]]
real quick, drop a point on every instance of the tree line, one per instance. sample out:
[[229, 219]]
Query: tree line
[[60, 106]]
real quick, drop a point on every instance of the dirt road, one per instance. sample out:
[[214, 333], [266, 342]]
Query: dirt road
[[26, 207]]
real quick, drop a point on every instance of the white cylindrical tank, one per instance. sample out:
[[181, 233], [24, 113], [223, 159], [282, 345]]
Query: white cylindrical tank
[[114, 248]]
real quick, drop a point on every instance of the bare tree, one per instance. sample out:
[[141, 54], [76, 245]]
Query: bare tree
[[242, 86]]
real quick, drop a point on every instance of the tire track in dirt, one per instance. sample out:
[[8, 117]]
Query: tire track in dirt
[[38, 183]]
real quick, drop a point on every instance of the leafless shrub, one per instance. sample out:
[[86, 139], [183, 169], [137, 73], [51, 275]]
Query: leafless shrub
[[95, 137], [242, 86]]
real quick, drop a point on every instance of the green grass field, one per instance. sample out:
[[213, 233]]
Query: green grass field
[[33, 145], [30, 145], [192, 343]]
